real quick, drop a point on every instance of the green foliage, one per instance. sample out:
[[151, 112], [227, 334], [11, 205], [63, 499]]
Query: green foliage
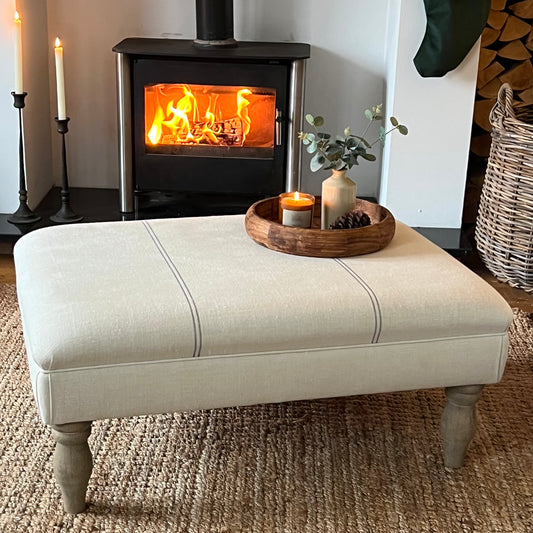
[[343, 152]]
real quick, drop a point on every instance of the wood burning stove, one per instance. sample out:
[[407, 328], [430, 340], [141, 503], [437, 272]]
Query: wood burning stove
[[209, 117]]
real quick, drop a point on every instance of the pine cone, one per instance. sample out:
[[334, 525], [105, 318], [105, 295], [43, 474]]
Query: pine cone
[[351, 219]]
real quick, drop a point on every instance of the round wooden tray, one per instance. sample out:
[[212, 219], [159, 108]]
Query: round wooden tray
[[262, 225]]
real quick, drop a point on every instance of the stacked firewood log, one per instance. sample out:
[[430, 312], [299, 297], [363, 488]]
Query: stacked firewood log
[[505, 57]]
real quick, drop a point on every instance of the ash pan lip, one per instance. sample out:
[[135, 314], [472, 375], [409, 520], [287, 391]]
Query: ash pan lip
[[214, 24]]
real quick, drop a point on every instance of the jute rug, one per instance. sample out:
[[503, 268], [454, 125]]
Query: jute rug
[[367, 464]]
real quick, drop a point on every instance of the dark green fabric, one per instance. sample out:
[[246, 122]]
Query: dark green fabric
[[453, 27]]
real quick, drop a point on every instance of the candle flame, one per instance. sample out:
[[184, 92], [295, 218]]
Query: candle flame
[[296, 195], [58, 42], [17, 16]]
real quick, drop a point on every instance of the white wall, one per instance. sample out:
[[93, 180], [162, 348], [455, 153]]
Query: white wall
[[37, 116], [8, 114], [424, 174], [39, 177], [353, 47]]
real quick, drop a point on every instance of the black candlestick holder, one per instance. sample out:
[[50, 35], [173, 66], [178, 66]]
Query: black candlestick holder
[[23, 215], [65, 213]]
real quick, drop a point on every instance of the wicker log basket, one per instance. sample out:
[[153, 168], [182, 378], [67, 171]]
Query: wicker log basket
[[504, 226]]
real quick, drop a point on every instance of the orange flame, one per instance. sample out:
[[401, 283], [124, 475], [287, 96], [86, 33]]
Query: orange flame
[[184, 116], [242, 109]]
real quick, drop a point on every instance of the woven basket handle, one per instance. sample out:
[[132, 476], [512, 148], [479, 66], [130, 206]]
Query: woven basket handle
[[503, 107]]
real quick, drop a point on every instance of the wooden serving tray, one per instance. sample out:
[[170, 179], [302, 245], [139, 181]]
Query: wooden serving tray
[[262, 225]]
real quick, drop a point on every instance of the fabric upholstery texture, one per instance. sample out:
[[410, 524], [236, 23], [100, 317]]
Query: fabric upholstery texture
[[129, 318]]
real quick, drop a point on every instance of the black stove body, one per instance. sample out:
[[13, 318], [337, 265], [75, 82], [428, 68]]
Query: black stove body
[[210, 118]]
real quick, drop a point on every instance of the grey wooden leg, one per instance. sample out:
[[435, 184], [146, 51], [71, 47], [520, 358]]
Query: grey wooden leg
[[458, 422], [73, 463]]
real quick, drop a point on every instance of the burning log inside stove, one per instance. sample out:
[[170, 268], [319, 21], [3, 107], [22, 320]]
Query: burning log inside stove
[[228, 132]]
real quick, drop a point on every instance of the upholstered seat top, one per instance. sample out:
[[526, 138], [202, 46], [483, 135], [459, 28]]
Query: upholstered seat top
[[110, 295]]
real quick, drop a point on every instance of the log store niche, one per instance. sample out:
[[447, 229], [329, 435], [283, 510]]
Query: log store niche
[[505, 57], [213, 119]]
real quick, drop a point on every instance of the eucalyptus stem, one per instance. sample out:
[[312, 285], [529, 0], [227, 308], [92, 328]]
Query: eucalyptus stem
[[319, 148], [366, 129], [343, 152], [385, 134], [368, 126]]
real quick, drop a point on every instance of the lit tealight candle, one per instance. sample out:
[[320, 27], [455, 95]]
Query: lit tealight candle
[[296, 209], [60, 81], [18, 54]]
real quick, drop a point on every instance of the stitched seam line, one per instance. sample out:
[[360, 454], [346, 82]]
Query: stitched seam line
[[184, 360], [503, 354], [50, 402], [373, 299], [181, 282]]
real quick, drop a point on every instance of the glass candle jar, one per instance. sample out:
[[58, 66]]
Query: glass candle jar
[[296, 209]]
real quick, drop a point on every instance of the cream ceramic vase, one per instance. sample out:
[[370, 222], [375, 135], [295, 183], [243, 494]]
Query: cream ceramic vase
[[338, 197]]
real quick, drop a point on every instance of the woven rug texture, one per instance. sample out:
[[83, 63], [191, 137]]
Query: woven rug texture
[[367, 464]]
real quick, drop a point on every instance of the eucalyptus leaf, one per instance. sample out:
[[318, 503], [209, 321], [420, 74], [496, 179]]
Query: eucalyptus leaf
[[368, 114], [364, 141], [351, 142], [310, 118], [317, 162], [319, 121], [403, 129], [334, 149], [312, 147], [347, 131], [351, 159], [393, 121], [369, 157]]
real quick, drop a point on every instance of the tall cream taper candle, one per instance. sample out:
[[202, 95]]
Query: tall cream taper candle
[[18, 54], [60, 81]]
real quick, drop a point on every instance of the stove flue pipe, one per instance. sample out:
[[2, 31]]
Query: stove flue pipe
[[214, 23]]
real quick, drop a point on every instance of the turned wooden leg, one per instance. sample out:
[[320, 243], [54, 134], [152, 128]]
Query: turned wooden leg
[[458, 422], [73, 463]]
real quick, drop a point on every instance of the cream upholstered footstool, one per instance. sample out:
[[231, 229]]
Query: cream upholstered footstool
[[145, 317]]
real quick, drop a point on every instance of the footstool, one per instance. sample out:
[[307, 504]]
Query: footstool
[[147, 317]]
